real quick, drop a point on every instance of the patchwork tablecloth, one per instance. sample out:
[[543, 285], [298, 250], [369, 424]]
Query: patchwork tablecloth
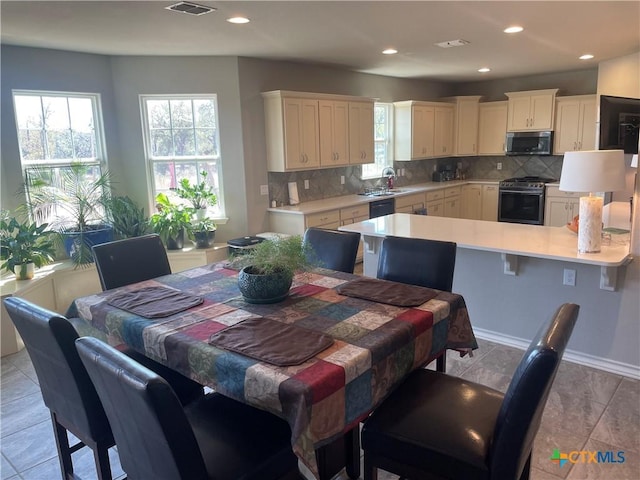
[[375, 346]]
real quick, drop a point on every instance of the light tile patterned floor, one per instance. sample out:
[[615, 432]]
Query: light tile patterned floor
[[587, 410]]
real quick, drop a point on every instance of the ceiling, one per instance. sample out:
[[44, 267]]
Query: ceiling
[[346, 34]]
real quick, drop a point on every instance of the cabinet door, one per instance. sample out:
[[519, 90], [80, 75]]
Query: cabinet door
[[541, 114], [452, 207], [301, 133], [310, 133], [334, 129], [519, 109], [557, 212], [436, 208], [490, 203], [587, 129], [471, 206], [443, 131], [361, 133], [492, 128], [467, 128], [567, 126], [422, 132]]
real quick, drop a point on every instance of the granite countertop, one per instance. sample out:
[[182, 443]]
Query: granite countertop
[[333, 203]]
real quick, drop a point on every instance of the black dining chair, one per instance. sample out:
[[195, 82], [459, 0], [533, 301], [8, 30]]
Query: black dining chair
[[132, 260], [333, 249], [66, 388], [435, 426], [416, 261], [157, 438]]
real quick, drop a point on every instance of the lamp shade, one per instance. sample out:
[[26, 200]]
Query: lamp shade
[[634, 160], [593, 171]]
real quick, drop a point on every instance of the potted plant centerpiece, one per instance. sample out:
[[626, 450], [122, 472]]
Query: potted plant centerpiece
[[24, 246], [77, 200], [170, 222], [267, 269]]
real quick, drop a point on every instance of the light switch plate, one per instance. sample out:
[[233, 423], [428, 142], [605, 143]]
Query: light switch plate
[[264, 189], [306, 184]]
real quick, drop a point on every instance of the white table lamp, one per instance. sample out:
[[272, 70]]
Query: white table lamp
[[592, 171]]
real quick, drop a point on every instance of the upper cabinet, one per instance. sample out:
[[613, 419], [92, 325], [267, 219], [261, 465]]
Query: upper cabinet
[[309, 131], [531, 110], [465, 124], [361, 132], [575, 125], [492, 128], [422, 130]]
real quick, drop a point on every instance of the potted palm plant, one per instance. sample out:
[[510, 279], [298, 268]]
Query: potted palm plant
[[267, 269], [77, 201], [170, 222], [24, 246]]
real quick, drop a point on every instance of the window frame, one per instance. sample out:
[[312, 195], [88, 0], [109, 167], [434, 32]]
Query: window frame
[[151, 160], [387, 141]]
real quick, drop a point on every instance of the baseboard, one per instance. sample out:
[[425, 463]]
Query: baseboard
[[611, 366]]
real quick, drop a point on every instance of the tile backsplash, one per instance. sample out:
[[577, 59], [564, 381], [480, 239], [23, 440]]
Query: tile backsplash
[[326, 183]]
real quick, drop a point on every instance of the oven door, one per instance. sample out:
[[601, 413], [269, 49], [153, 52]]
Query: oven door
[[521, 206]]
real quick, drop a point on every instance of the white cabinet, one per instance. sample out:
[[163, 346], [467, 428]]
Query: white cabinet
[[560, 207], [334, 133], [452, 200], [575, 124], [410, 203], [489, 203], [413, 130], [492, 128], [361, 132], [435, 203], [531, 110], [465, 124], [443, 131], [471, 207]]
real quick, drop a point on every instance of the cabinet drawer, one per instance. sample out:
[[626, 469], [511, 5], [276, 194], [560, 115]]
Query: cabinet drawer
[[437, 195], [435, 209], [452, 192], [354, 212], [409, 200], [556, 192], [323, 218]]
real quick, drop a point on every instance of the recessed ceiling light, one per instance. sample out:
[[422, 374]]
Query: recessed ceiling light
[[238, 20], [484, 70], [586, 56], [390, 51], [514, 29]]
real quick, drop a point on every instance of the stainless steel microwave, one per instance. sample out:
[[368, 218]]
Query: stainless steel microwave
[[529, 143]]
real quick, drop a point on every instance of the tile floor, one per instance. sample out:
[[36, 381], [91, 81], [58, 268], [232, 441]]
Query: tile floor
[[587, 410]]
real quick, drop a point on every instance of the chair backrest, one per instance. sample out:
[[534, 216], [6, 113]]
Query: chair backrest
[[427, 263], [66, 387], [154, 437], [519, 417], [333, 249], [131, 260]]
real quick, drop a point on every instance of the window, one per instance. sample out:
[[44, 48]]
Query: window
[[182, 140], [383, 147], [55, 131]]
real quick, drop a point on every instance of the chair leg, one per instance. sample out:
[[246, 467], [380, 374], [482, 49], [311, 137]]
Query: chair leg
[[370, 470], [526, 470], [64, 452], [441, 362], [352, 446], [101, 458]]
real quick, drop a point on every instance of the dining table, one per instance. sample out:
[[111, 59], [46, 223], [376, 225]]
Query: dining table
[[322, 359]]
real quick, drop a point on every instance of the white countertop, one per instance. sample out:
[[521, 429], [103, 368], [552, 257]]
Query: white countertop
[[555, 243], [332, 203]]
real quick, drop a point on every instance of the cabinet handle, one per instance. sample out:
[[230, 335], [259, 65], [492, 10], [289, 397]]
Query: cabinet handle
[[575, 145], [580, 145]]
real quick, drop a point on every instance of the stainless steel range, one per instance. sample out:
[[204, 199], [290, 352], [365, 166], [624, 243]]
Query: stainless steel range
[[521, 200]]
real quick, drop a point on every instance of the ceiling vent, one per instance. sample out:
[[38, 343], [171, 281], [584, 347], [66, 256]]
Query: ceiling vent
[[452, 43], [190, 8]]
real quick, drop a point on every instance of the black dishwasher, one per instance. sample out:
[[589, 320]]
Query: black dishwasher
[[378, 208]]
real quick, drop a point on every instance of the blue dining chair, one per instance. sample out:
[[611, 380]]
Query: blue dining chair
[[333, 249]]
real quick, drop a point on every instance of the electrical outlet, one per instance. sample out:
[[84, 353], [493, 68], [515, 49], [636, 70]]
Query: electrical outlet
[[341, 179], [499, 166], [264, 189], [569, 277], [435, 168], [306, 184]]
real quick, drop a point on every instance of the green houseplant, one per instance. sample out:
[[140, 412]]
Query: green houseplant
[[202, 232], [199, 195], [77, 199], [170, 222], [24, 245], [128, 219], [267, 269]]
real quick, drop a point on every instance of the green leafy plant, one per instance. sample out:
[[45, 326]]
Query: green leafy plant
[[204, 225], [170, 219], [24, 242], [128, 219], [280, 255], [200, 195]]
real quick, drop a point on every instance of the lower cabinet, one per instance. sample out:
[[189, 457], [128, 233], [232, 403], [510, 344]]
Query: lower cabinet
[[194, 257], [355, 214], [560, 207], [410, 203], [435, 203], [489, 203], [452, 199], [480, 202]]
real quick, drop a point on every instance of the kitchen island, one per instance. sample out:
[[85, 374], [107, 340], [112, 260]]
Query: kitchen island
[[512, 277]]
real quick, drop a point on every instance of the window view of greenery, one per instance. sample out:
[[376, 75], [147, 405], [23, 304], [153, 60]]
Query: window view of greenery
[[382, 137], [182, 140], [55, 131]]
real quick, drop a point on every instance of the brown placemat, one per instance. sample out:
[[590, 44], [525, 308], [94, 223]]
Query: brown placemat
[[154, 302], [271, 341], [384, 291]]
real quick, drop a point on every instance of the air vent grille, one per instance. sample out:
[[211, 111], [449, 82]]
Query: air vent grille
[[452, 43], [190, 8]]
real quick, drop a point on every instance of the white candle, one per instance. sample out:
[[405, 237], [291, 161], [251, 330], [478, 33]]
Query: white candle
[[590, 226]]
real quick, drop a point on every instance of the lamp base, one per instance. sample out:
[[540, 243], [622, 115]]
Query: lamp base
[[590, 227]]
